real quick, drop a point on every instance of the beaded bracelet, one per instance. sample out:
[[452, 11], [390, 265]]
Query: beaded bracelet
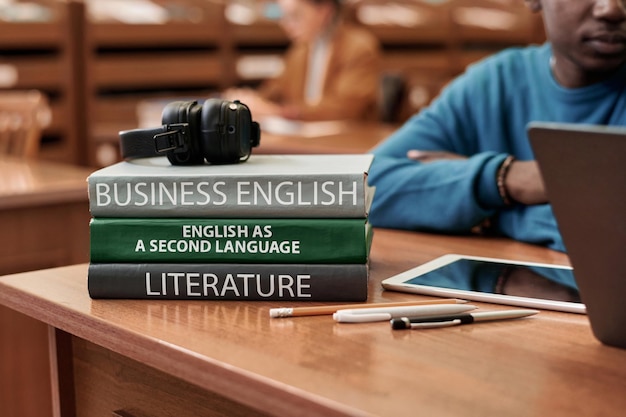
[[501, 176]]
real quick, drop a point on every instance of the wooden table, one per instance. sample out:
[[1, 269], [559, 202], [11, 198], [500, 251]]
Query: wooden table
[[44, 215], [185, 358], [44, 218]]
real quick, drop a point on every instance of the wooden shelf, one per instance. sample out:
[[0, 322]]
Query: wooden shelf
[[36, 70], [483, 27], [151, 70], [43, 56], [25, 35], [119, 35], [405, 22], [129, 63], [257, 42], [97, 71], [429, 43], [255, 24], [264, 34]]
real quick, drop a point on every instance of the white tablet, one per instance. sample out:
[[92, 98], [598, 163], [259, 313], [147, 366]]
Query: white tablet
[[501, 281]]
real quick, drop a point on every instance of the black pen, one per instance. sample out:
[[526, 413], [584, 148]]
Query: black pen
[[456, 319]]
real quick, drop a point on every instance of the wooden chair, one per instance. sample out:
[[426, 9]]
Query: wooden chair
[[402, 95], [23, 116], [415, 36]]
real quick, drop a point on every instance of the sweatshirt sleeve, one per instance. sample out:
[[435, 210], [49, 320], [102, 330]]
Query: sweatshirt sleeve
[[439, 196], [448, 195]]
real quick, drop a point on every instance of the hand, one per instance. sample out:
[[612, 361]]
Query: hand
[[524, 184], [523, 181], [431, 156]]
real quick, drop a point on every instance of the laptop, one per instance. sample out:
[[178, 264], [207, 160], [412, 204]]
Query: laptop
[[584, 171]]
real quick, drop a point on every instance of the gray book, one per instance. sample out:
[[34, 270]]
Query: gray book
[[264, 186], [251, 282]]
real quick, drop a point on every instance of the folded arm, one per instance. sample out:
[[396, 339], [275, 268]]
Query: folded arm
[[448, 195]]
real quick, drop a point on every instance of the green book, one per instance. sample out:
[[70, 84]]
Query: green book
[[183, 240]]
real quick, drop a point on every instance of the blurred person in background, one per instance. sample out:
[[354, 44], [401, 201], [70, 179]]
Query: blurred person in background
[[331, 68]]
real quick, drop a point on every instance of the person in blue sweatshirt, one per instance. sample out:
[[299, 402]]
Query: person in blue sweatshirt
[[465, 161]]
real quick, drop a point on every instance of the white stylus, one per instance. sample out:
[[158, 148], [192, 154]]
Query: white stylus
[[365, 315]]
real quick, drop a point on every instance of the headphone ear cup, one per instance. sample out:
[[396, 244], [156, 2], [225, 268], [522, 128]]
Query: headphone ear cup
[[185, 112], [228, 131], [214, 138]]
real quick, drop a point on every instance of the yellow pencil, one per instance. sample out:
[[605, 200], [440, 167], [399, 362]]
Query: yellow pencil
[[330, 309]]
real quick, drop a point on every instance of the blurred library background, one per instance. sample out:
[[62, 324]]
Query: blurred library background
[[100, 63]]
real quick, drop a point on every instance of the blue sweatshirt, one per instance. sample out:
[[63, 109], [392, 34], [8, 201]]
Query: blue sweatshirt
[[483, 115]]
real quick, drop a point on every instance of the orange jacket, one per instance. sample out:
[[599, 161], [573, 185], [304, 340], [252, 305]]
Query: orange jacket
[[350, 86]]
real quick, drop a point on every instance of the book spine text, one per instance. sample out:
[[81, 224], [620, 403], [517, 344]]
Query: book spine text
[[306, 196], [296, 282], [232, 240]]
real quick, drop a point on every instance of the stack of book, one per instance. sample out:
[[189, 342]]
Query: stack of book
[[277, 227]]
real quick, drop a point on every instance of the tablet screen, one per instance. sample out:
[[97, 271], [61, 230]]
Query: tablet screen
[[530, 281]]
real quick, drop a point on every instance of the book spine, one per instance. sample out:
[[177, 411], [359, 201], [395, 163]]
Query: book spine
[[181, 240], [252, 282], [230, 196]]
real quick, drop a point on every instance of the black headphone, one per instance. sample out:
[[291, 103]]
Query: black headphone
[[220, 131]]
